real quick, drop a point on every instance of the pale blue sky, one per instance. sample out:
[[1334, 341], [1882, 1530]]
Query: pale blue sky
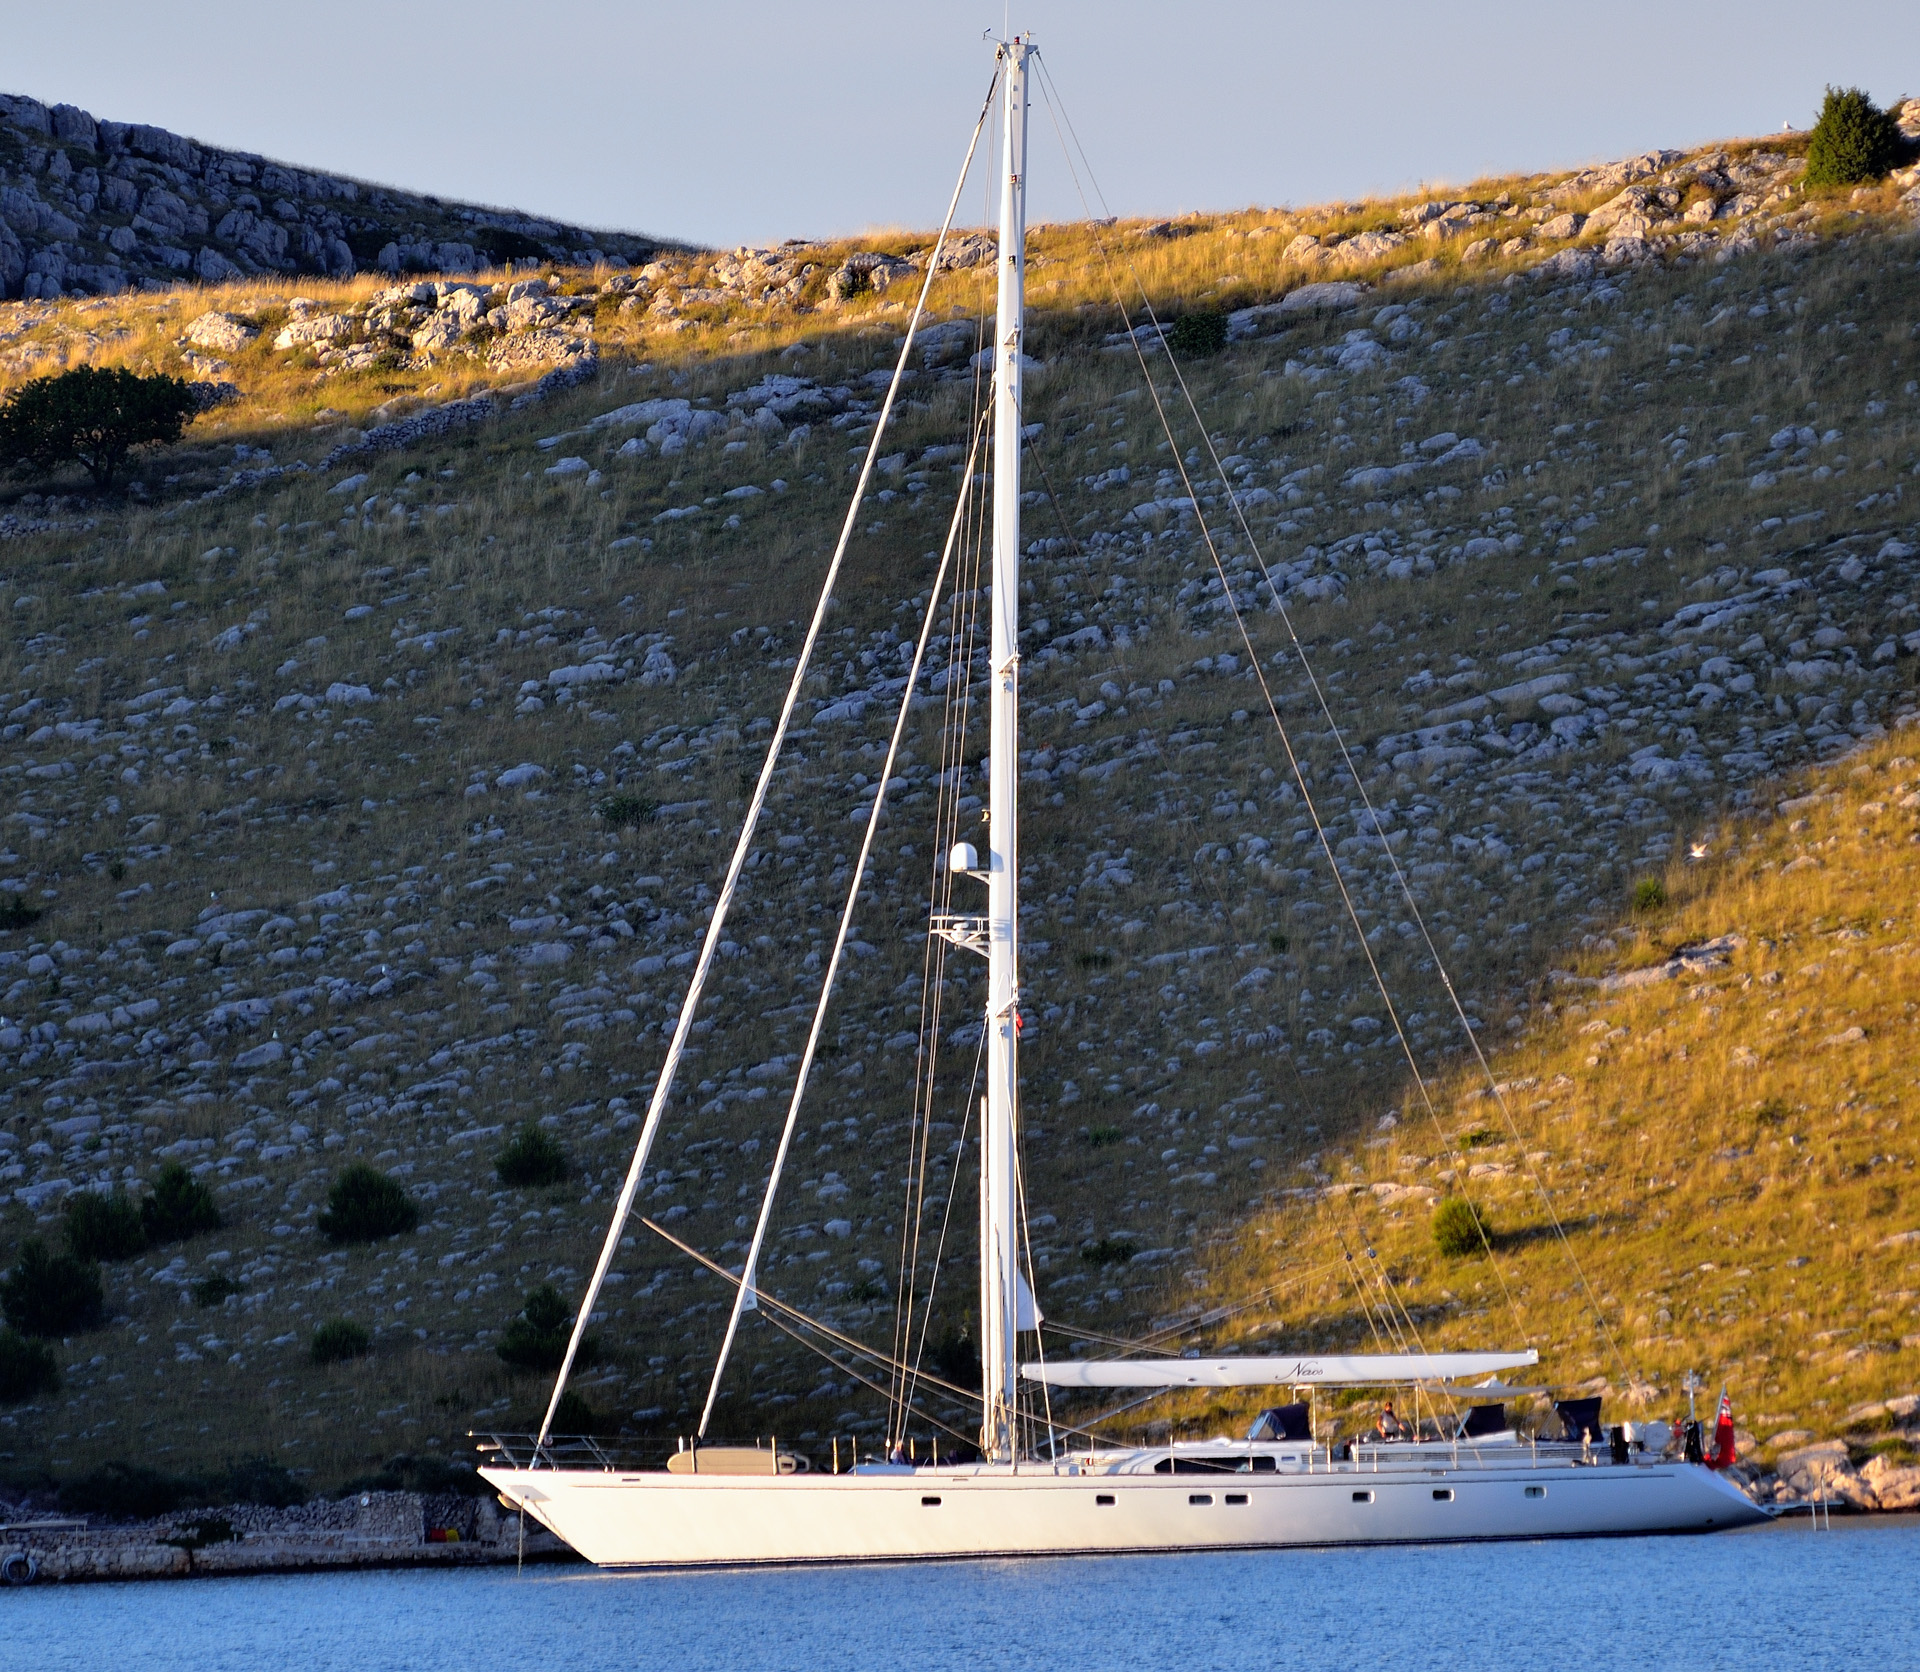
[[737, 121]]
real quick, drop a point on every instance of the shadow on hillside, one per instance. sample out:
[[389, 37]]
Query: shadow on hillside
[[1587, 1224]]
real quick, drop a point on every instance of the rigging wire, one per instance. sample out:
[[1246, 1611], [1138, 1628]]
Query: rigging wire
[[1339, 736], [786, 1309], [663, 1087], [1392, 1304], [962, 635], [914, 1374], [749, 1270], [955, 711], [1319, 693]]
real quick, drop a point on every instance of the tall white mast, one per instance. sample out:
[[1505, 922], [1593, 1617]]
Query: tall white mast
[[999, 1284]]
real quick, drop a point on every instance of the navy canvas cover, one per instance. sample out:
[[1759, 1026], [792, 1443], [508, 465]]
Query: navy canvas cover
[[1484, 1419], [1582, 1418], [1282, 1422]]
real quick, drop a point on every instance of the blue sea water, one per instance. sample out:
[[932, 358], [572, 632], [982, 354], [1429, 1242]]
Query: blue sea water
[[1780, 1596]]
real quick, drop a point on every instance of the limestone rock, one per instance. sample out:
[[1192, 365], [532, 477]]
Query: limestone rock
[[1333, 295], [1894, 1487], [320, 328], [223, 331]]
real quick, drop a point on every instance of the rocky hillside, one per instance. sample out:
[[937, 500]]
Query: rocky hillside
[[369, 764], [91, 208]]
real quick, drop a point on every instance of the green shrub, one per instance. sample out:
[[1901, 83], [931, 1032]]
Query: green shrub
[[258, 1480], [16, 914], [197, 1535], [1649, 894], [365, 1205], [573, 1415], [537, 1338], [52, 1294], [128, 1492], [93, 416], [26, 1368], [124, 1491], [215, 1287], [428, 1475], [531, 1159], [1196, 335], [1459, 1230], [624, 811], [1854, 141], [955, 1358], [103, 1227], [339, 1339], [1109, 1251], [180, 1207]]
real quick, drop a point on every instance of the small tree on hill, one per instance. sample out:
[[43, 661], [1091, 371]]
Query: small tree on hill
[[365, 1205], [537, 1339], [93, 416], [180, 1207], [1459, 1230], [338, 1340], [26, 1368], [1196, 335], [1854, 141], [50, 1294], [103, 1227], [531, 1158]]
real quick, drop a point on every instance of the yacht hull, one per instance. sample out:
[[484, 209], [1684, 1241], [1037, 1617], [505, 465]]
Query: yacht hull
[[686, 1521]]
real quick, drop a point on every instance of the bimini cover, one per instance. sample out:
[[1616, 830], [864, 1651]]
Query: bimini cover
[[1352, 1369], [1283, 1422]]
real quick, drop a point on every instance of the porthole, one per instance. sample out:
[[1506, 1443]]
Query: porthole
[[929, 1503], [1103, 1498], [1443, 1494], [1236, 1497], [1363, 1497], [1536, 1491], [1199, 1497]]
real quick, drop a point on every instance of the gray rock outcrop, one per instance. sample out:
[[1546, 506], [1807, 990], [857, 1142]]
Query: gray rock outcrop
[[96, 208]]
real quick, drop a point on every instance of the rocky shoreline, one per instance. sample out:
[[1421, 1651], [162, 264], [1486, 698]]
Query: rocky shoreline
[[375, 1529]]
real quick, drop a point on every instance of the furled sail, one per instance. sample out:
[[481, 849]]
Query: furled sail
[[1355, 1369]]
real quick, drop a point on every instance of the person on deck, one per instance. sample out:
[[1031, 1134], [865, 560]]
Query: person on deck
[[1389, 1427]]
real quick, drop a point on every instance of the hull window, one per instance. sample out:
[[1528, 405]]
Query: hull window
[[1536, 1491], [1367, 1497], [1199, 1497], [1104, 1498], [929, 1503], [1236, 1497], [1443, 1494]]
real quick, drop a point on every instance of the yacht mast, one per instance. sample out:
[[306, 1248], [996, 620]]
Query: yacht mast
[[999, 1283]]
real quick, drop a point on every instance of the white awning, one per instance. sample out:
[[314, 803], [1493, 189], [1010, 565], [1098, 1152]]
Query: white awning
[[1350, 1369]]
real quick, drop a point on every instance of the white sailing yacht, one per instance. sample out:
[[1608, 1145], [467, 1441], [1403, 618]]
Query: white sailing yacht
[[1034, 1488]]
